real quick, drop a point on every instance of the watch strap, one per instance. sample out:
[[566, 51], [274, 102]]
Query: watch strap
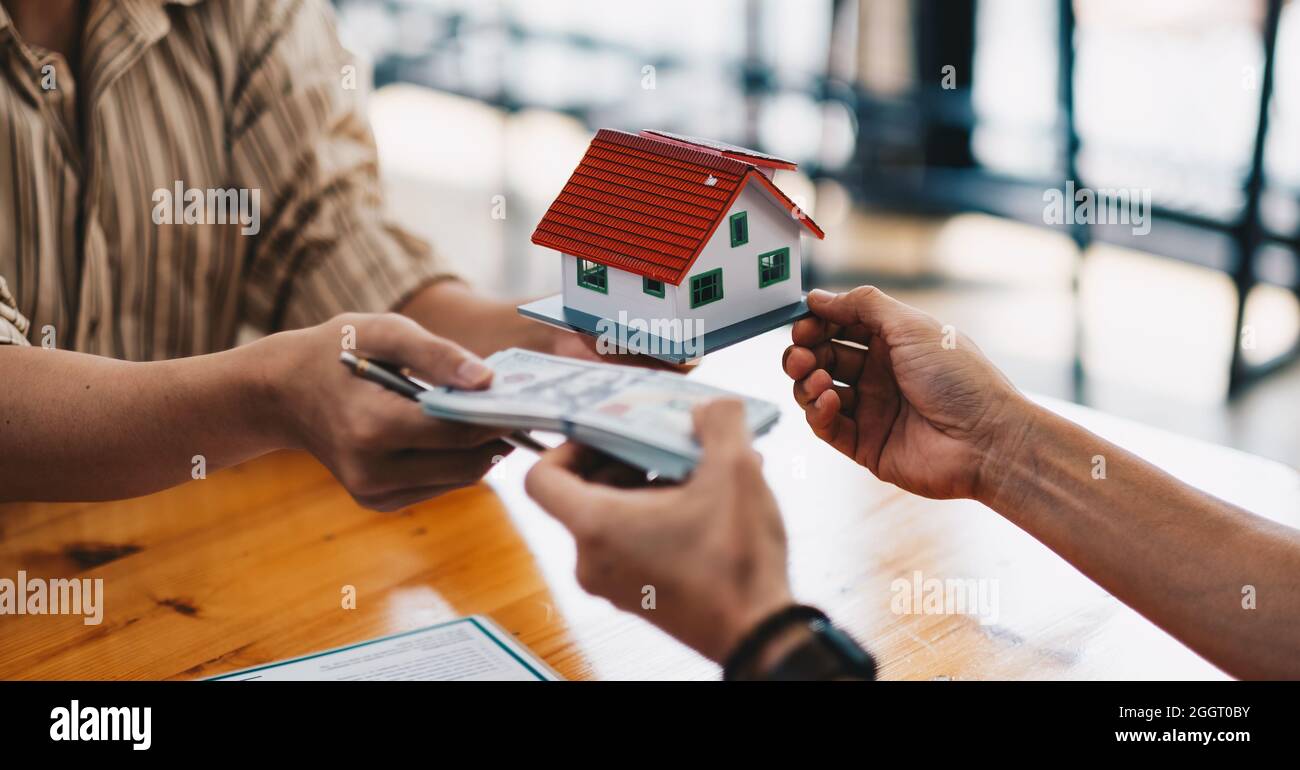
[[827, 653]]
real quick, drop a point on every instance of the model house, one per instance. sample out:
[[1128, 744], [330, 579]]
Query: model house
[[683, 239]]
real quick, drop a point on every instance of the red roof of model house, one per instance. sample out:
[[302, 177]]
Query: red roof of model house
[[729, 150], [647, 203]]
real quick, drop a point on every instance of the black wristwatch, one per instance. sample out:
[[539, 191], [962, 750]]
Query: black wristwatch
[[828, 653]]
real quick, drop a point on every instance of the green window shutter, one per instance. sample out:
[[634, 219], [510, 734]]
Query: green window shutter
[[706, 287], [739, 224], [773, 267], [594, 276], [652, 287]]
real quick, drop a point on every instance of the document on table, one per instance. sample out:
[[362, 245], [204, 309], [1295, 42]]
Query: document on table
[[468, 649]]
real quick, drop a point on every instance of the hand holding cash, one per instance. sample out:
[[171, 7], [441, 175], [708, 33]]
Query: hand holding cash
[[640, 416]]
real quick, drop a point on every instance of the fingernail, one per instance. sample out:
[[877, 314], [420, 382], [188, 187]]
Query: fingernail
[[473, 372], [821, 295]]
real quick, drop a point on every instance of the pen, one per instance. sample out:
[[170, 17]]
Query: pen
[[385, 375]]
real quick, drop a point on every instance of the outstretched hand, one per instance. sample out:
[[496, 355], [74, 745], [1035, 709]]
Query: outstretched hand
[[913, 401]]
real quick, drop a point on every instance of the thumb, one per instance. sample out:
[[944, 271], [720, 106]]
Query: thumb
[[865, 306], [721, 430], [401, 341]]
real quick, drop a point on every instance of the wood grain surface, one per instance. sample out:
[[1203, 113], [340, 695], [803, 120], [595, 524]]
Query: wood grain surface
[[248, 566]]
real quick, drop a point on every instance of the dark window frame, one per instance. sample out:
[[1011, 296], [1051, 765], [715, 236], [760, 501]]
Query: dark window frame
[[784, 254], [586, 268], [697, 280], [741, 218]]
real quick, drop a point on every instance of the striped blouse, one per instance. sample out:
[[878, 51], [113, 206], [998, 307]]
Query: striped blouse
[[222, 174]]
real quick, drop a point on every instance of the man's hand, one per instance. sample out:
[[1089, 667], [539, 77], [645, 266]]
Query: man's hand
[[378, 444], [930, 417], [941, 421], [713, 549]]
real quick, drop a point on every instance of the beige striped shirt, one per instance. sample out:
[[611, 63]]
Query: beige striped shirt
[[225, 102]]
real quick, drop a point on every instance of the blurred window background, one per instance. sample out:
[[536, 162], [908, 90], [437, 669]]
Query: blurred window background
[[928, 133]]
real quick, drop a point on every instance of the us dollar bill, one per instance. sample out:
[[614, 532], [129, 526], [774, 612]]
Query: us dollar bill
[[641, 416]]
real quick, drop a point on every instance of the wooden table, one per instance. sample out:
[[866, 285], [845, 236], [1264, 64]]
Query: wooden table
[[249, 565]]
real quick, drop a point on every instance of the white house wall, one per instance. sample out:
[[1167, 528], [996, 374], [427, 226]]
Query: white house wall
[[770, 228], [625, 294]]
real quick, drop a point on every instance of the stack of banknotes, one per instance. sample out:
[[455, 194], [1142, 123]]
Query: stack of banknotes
[[641, 416]]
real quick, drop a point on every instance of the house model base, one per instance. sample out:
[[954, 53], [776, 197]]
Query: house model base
[[553, 311], [673, 246]]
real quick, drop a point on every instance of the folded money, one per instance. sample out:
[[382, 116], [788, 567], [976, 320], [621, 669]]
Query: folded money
[[641, 416]]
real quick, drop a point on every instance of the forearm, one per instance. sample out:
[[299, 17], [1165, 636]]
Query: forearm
[[1179, 556], [83, 427], [451, 309]]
